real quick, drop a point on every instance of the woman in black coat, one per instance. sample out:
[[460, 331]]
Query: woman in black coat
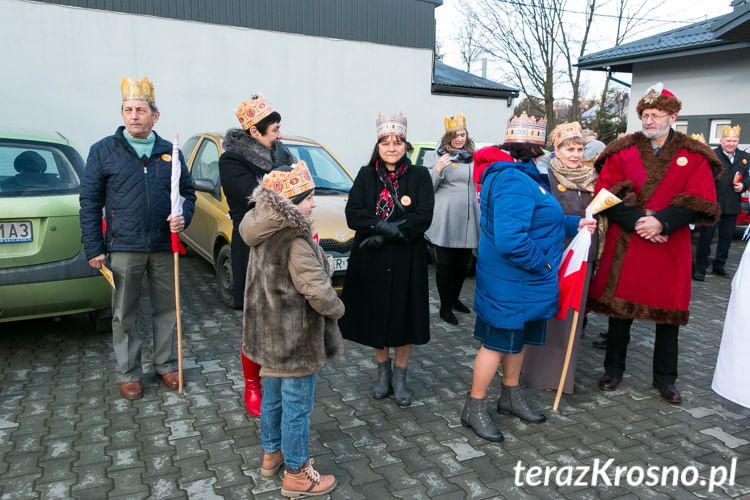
[[385, 292], [249, 154]]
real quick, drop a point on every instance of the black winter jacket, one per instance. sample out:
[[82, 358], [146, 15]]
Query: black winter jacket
[[135, 194], [729, 200]]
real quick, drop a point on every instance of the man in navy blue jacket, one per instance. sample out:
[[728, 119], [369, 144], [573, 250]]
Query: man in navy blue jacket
[[128, 175]]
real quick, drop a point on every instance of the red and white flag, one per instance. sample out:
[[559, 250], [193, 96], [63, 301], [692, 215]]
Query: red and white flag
[[572, 273], [174, 194]]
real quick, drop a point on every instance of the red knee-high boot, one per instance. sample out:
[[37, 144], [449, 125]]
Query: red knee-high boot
[[251, 373]]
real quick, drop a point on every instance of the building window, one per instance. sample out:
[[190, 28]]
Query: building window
[[681, 126], [716, 127]]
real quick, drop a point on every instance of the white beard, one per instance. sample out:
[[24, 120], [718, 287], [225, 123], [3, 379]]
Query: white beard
[[654, 134]]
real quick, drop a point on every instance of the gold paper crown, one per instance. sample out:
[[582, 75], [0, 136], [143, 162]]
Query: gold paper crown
[[699, 137], [731, 131], [566, 131], [290, 184], [526, 128], [139, 90], [253, 111], [453, 123], [391, 125]]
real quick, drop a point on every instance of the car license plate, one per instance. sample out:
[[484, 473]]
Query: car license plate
[[340, 263], [15, 232]]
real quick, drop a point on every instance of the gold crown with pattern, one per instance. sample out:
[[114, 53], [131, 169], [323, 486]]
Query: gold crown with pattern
[[731, 131], [252, 111], [526, 128], [292, 183], [565, 131], [699, 137], [454, 123], [139, 90], [391, 125]]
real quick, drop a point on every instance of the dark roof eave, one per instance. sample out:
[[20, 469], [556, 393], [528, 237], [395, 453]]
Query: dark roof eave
[[439, 88], [740, 17], [621, 62]]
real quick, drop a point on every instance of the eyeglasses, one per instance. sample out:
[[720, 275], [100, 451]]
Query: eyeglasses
[[652, 117]]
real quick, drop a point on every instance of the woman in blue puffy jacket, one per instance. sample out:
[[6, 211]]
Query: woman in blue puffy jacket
[[523, 230]]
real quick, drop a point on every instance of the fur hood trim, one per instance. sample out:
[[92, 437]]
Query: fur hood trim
[[272, 213], [242, 143]]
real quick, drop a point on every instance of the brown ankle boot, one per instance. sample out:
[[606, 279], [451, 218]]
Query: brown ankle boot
[[306, 481], [272, 462]]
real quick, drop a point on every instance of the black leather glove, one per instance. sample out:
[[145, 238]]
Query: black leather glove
[[391, 230], [374, 241]]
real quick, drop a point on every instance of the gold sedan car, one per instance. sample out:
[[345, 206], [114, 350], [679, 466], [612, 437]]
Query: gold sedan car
[[210, 232]]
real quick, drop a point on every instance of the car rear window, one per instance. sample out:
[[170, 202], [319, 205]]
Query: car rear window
[[37, 169]]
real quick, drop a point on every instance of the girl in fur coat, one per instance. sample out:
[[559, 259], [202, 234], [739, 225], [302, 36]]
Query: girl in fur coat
[[290, 323]]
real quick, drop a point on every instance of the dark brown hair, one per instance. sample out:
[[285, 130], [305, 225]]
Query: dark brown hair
[[523, 151]]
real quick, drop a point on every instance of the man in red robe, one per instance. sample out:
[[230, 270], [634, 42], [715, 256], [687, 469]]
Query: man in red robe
[[666, 181]]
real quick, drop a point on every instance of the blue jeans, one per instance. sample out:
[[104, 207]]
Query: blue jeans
[[285, 417]]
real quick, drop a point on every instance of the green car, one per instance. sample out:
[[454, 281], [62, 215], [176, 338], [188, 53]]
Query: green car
[[43, 268]]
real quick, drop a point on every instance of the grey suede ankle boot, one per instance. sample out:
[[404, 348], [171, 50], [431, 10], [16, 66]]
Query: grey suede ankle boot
[[383, 386], [403, 398], [476, 417], [511, 401]]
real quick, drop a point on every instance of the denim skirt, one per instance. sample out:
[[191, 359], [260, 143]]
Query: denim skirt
[[510, 341]]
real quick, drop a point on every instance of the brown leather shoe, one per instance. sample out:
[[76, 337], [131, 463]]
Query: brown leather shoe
[[171, 380], [306, 481], [668, 392], [131, 390], [272, 462]]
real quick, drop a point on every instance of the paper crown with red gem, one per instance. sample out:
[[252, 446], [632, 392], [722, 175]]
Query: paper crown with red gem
[[526, 128], [391, 125], [728, 131], [253, 111], [292, 183], [657, 97], [454, 123], [139, 90], [566, 131]]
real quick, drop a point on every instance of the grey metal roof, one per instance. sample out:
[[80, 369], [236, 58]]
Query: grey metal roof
[[701, 37], [404, 23], [449, 80]]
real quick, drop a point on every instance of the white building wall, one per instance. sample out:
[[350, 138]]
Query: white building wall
[[710, 84], [64, 67]]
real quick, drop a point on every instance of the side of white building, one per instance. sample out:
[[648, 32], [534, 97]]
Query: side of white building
[[64, 67]]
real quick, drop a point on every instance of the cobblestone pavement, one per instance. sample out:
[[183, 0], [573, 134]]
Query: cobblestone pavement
[[66, 433]]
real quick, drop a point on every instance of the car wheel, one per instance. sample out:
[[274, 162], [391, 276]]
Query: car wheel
[[100, 321], [224, 276]]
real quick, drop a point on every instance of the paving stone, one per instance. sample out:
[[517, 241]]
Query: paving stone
[[202, 443]]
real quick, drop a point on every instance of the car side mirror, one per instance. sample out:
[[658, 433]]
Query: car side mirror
[[204, 185]]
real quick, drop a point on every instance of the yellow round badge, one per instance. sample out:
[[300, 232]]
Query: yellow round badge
[[166, 157], [682, 161], [744, 161], [561, 188], [405, 200]]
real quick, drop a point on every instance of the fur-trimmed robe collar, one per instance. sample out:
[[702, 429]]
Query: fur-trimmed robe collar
[[670, 149]]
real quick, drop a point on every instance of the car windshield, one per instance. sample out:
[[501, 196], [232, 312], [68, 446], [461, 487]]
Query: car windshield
[[328, 175], [38, 169]]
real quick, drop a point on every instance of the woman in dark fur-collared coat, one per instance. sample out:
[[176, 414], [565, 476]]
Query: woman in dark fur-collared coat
[[249, 154], [385, 292]]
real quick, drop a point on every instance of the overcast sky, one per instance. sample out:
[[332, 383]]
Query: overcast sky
[[669, 15]]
